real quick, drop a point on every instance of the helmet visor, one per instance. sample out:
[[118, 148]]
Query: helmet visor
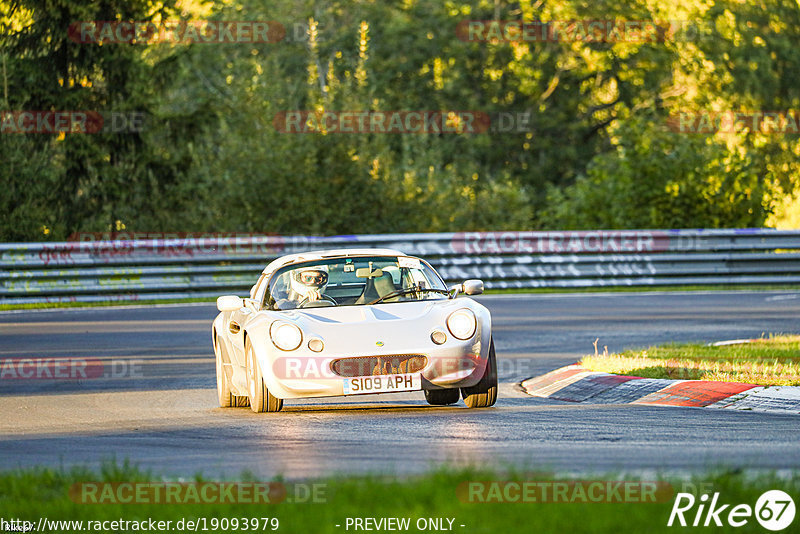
[[312, 278]]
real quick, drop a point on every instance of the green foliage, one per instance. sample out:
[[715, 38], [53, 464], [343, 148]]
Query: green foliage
[[59, 184], [497, 504], [657, 179], [595, 153]]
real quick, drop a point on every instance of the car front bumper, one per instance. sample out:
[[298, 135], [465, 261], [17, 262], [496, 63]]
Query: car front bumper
[[305, 374]]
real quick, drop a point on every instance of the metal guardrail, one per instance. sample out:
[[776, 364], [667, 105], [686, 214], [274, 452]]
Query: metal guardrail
[[170, 266]]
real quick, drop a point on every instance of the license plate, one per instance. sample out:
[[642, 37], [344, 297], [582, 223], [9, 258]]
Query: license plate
[[382, 384]]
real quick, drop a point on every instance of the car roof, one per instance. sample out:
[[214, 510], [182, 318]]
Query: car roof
[[332, 253]]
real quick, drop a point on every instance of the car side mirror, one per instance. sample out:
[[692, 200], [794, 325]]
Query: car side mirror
[[229, 303], [472, 287], [469, 287]]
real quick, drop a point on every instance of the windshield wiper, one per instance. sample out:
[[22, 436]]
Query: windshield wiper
[[406, 291]]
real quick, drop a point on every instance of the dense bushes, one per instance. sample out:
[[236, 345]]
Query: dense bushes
[[595, 150]]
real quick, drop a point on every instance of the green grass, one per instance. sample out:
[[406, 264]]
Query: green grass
[[640, 289], [774, 360], [606, 289], [34, 493], [51, 305]]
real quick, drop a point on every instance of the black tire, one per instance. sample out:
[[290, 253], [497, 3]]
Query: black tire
[[484, 393], [441, 397], [261, 400], [224, 373]]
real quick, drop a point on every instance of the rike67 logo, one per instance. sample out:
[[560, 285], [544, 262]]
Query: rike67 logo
[[774, 510]]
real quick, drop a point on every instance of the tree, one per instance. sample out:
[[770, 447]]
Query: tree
[[655, 178]]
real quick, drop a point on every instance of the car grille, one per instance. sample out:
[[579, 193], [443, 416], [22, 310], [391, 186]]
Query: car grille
[[379, 365]]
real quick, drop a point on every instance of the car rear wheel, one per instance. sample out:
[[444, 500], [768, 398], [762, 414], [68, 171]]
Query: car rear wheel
[[261, 400], [224, 373], [441, 397], [484, 393]]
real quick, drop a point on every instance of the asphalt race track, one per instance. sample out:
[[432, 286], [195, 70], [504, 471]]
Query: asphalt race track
[[155, 402]]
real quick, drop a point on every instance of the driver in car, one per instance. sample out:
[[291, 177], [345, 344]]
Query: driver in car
[[308, 285]]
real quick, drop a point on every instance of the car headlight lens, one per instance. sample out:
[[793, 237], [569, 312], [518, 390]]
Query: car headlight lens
[[462, 324], [285, 336]]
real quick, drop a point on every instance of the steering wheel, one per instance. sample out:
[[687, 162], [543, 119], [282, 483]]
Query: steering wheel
[[324, 302]]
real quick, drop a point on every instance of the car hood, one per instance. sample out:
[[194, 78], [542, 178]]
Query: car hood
[[363, 329], [399, 311]]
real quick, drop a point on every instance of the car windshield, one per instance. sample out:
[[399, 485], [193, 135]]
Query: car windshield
[[353, 281]]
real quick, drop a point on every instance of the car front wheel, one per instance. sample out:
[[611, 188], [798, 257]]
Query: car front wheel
[[484, 393], [261, 400]]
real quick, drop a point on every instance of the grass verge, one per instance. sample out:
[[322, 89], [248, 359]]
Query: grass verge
[[53, 305], [544, 290], [42, 493], [650, 288], [770, 361]]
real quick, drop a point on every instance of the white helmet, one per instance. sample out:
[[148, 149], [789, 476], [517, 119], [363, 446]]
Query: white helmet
[[310, 282]]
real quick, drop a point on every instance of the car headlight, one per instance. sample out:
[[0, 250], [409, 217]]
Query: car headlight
[[462, 324], [285, 336]]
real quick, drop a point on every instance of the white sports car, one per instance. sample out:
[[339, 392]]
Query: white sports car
[[352, 322]]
